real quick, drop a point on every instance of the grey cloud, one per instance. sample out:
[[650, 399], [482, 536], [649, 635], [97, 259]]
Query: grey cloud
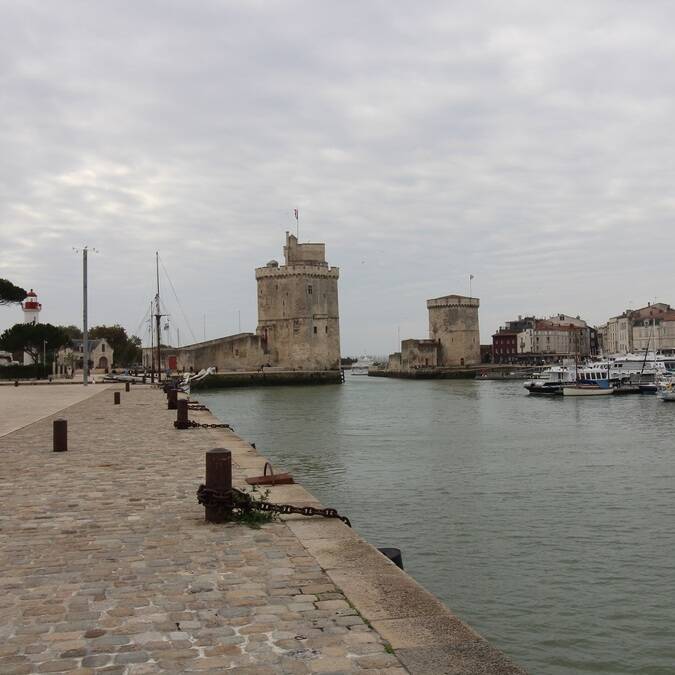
[[423, 142]]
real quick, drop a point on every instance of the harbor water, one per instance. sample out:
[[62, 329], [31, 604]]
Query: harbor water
[[548, 524]]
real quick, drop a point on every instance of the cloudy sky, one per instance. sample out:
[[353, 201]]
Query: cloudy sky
[[527, 143]]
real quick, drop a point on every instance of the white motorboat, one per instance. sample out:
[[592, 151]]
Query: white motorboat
[[665, 389], [361, 366], [551, 381], [584, 389]]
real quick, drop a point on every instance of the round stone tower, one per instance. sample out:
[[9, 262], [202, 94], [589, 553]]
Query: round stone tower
[[298, 317], [453, 322]]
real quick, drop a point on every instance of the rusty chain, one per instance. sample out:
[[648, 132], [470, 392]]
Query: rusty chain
[[237, 499], [199, 425]]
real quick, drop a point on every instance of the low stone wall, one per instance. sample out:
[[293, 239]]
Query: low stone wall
[[427, 373], [269, 378]]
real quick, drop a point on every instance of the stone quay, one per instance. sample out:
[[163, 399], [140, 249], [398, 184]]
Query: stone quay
[[108, 566]]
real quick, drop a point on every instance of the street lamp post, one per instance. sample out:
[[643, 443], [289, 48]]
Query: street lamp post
[[85, 335]]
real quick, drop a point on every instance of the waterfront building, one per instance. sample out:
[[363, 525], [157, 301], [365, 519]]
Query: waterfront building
[[70, 359], [298, 321], [648, 328], [532, 340]]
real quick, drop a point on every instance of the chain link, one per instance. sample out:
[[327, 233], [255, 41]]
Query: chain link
[[237, 499], [197, 425]]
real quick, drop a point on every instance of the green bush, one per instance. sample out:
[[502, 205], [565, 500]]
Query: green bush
[[32, 372]]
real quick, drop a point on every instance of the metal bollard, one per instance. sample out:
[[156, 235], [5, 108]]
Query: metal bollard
[[394, 554], [219, 479], [127, 387], [116, 398], [60, 435], [172, 399], [181, 415]]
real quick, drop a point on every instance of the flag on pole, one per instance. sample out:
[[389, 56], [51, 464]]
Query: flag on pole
[[470, 276], [296, 213]]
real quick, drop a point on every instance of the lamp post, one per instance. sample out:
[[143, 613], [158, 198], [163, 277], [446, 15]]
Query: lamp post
[[85, 336], [44, 357]]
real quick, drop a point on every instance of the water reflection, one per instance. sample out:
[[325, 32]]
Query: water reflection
[[545, 523]]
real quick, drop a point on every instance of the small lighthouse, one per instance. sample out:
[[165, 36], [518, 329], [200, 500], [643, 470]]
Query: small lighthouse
[[31, 308], [31, 314]]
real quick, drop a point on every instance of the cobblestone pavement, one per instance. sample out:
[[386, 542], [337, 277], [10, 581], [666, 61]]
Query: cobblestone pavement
[[107, 565], [28, 402]]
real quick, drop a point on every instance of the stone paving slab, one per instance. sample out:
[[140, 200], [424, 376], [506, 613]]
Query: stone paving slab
[[107, 565], [26, 404]]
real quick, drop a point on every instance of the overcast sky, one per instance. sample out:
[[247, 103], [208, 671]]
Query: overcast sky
[[527, 143]]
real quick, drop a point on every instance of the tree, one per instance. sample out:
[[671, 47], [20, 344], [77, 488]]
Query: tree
[[73, 332], [9, 293], [31, 338], [127, 351]]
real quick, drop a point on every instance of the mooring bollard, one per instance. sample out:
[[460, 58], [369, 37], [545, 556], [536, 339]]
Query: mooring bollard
[[116, 398], [181, 415], [219, 480], [172, 399], [394, 554], [127, 387], [60, 435]]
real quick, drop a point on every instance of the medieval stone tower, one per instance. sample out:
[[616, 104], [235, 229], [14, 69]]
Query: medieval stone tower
[[298, 318], [453, 321]]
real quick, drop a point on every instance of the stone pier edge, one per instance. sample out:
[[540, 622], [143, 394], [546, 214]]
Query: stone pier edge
[[422, 632]]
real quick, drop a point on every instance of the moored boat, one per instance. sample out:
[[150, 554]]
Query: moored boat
[[361, 366], [665, 389], [587, 389], [551, 381]]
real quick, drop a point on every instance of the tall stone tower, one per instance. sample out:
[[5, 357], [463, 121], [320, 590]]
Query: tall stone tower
[[298, 317], [453, 321]]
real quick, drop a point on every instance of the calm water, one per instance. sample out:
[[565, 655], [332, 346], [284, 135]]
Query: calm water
[[547, 524]]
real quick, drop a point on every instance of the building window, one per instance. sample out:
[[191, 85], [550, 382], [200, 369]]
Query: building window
[[102, 347], [309, 289], [314, 330], [326, 330]]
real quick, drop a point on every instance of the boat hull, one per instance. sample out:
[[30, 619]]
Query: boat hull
[[544, 390], [586, 391]]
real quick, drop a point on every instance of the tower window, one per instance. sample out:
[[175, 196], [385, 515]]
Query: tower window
[[309, 289], [314, 330], [326, 330]]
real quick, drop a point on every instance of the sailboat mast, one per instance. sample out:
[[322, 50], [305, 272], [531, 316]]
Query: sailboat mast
[[152, 348], [158, 318]]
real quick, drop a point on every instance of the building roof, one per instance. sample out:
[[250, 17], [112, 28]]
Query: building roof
[[93, 343]]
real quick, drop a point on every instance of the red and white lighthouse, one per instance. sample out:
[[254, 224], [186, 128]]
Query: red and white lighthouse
[[31, 308], [31, 314]]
